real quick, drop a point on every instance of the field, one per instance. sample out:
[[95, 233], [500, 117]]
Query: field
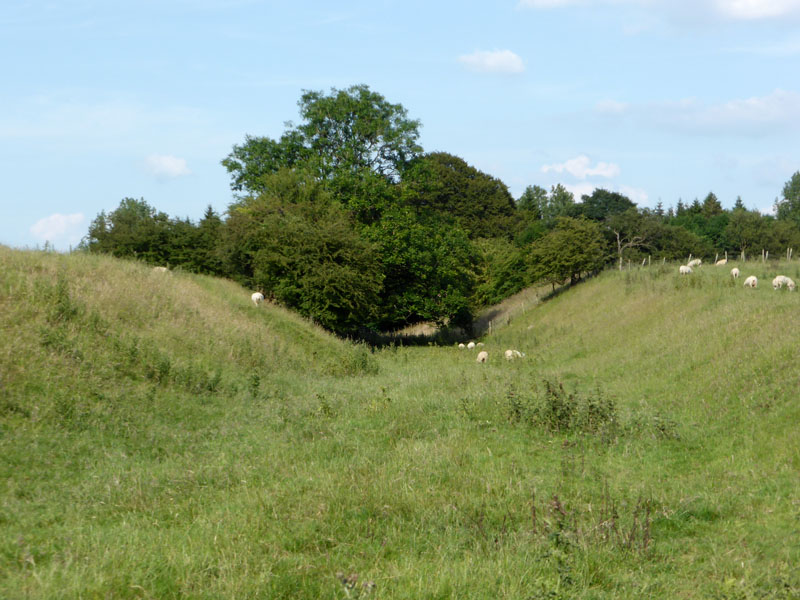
[[161, 437]]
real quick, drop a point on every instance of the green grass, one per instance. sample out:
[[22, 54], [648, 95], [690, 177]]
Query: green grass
[[160, 437]]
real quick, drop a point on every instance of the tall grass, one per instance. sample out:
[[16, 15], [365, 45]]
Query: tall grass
[[160, 437]]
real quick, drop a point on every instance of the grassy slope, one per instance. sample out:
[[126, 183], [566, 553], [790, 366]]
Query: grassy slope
[[160, 437]]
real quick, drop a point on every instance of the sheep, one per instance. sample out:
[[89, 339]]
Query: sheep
[[685, 269], [695, 262], [734, 272], [782, 280], [461, 346], [471, 345], [257, 298], [479, 345], [721, 262], [512, 354], [751, 282], [483, 356], [160, 270]]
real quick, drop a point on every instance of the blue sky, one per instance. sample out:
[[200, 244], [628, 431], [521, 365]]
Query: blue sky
[[657, 99]]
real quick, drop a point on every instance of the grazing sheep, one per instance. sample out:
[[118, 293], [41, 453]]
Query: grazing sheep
[[160, 270], [782, 280], [257, 298], [685, 269], [483, 356], [695, 262], [512, 354], [751, 282], [461, 346], [471, 345], [479, 345], [721, 262], [734, 272]]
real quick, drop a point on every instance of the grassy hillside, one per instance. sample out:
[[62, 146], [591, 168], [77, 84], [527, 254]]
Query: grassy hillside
[[160, 437]]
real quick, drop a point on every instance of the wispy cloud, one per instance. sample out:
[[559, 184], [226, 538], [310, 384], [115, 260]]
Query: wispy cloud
[[581, 168], [756, 116], [60, 230], [494, 61], [734, 10], [165, 166]]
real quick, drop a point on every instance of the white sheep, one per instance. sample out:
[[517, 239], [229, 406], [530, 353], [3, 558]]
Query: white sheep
[[751, 282], [685, 269], [257, 298], [461, 346], [483, 356], [471, 345], [734, 272], [695, 262], [782, 280], [512, 354], [160, 270], [479, 345]]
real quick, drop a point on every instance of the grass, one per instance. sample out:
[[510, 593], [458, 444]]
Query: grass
[[160, 437]]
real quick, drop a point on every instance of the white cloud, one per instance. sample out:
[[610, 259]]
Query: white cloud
[[580, 167], [166, 166], [756, 9], [60, 230], [495, 61], [736, 10], [756, 116], [638, 195], [612, 107]]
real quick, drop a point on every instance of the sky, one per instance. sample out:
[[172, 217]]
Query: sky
[[660, 100]]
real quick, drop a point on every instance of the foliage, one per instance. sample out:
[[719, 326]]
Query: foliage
[[574, 248], [133, 230], [429, 269], [602, 204], [341, 135], [447, 185], [301, 249], [788, 207]]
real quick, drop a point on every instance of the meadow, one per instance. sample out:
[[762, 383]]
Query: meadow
[[161, 437]]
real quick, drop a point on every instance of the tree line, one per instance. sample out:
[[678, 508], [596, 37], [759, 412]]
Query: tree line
[[346, 219]]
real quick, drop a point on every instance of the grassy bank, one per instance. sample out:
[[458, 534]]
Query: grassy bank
[[160, 437]]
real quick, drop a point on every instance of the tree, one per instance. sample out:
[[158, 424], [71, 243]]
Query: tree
[[573, 248], [788, 208], [533, 201], [745, 230], [429, 269], [601, 204], [341, 135], [134, 230], [447, 185], [739, 204], [560, 203], [629, 229], [299, 247], [711, 206]]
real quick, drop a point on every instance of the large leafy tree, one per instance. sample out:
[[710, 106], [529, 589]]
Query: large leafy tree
[[429, 267], [575, 247], [341, 134], [788, 208], [297, 245], [133, 230], [601, 204], [447, 185]]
